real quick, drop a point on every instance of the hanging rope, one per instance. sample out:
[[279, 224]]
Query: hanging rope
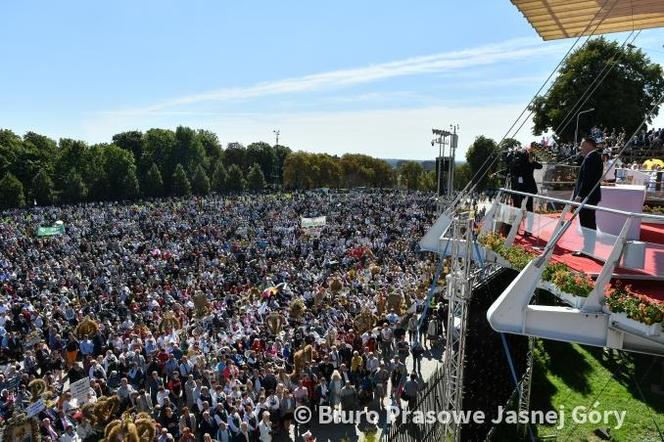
[[491, 159], [560, 232]]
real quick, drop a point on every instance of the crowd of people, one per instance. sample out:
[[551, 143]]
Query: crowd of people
[[213, 318]]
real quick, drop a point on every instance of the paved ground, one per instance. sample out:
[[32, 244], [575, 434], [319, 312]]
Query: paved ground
[[355, 433]]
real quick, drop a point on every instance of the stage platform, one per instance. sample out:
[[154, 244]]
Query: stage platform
[[648, 280]]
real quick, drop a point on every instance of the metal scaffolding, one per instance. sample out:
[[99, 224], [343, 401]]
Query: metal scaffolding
[[459, 289]]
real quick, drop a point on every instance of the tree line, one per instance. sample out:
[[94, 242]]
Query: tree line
[[35, 169]]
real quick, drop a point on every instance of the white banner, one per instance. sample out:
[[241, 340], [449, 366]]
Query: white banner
[[35, 408], [81, 390], [308, 223]]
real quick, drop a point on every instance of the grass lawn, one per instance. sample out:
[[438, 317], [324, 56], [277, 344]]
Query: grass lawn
[[571, 375]]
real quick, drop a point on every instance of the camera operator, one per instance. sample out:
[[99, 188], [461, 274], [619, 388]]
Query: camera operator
[[522, 170]]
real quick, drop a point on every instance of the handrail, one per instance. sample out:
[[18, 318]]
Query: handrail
[[657, 218]]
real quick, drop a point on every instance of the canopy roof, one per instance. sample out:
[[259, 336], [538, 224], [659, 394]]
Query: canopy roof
[[553, 19]]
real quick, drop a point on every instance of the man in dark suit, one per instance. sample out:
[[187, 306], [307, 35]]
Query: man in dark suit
[[590, 174], [587, 185]]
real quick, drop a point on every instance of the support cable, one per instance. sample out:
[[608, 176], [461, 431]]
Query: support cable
[[490, 160], [508, 355]]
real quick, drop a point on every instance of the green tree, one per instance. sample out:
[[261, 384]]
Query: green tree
[[200, 183], [180, 183], [153, 184], [262, 154], [462, 175], [235, 181], [478, 153], [280, 155], [211, 146], [131, 141], [384, 175], [508, 143], [632, 86], [11, 192], [42, 188], [255, 178], [160, 150], [39, 153], [87, 162], [10, 143], [74, 189], [297, 171], [235, 153], [189, 150], [219, 177], [411, 173], [120, 172], [428, 181], [330, 171]]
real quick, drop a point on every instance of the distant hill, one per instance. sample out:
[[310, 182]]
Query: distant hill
[[426, 164]]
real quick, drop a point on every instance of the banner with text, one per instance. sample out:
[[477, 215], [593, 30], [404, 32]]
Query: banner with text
[[51, 231], [308, 223]]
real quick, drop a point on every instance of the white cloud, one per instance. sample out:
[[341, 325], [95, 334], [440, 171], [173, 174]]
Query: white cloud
[[449, 61]]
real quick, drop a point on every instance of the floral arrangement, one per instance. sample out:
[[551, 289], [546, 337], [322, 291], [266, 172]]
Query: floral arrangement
[[657, 210], [559, 274], [572, 282], [493, 241], [621, 299], [518, 257]]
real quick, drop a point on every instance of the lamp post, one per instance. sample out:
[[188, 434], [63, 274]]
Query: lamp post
[[275, 171], [576, 132]]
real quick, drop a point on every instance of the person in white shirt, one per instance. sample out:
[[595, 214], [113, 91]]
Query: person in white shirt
[[70, 435], [162, 394], [97, 371], [265, 428], [372, 362]]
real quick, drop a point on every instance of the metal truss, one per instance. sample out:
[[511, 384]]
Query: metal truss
[[525, 384], [459, 289]]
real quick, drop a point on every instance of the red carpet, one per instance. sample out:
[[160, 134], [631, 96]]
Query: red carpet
[[572, 240], [652, 233]]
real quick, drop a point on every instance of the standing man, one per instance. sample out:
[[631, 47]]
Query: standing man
[[523, 176], [587, 185]]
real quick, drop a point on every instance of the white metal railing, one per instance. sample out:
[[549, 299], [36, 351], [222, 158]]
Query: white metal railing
[[652, 218], [587, 323]]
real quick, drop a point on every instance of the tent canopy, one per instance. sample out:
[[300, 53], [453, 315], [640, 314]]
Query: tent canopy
[[554, 19]]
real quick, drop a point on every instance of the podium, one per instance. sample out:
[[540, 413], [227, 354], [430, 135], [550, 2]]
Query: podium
[[627, 197]]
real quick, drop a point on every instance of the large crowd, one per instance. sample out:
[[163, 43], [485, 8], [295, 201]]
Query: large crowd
[[212, 318]]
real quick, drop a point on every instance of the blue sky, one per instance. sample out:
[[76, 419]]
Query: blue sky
[[344, 76]]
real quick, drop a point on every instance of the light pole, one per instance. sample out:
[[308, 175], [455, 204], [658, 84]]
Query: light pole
[[576, 132], [454, 140], [275, 169]]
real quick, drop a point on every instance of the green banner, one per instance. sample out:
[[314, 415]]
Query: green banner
[[51, 231]]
